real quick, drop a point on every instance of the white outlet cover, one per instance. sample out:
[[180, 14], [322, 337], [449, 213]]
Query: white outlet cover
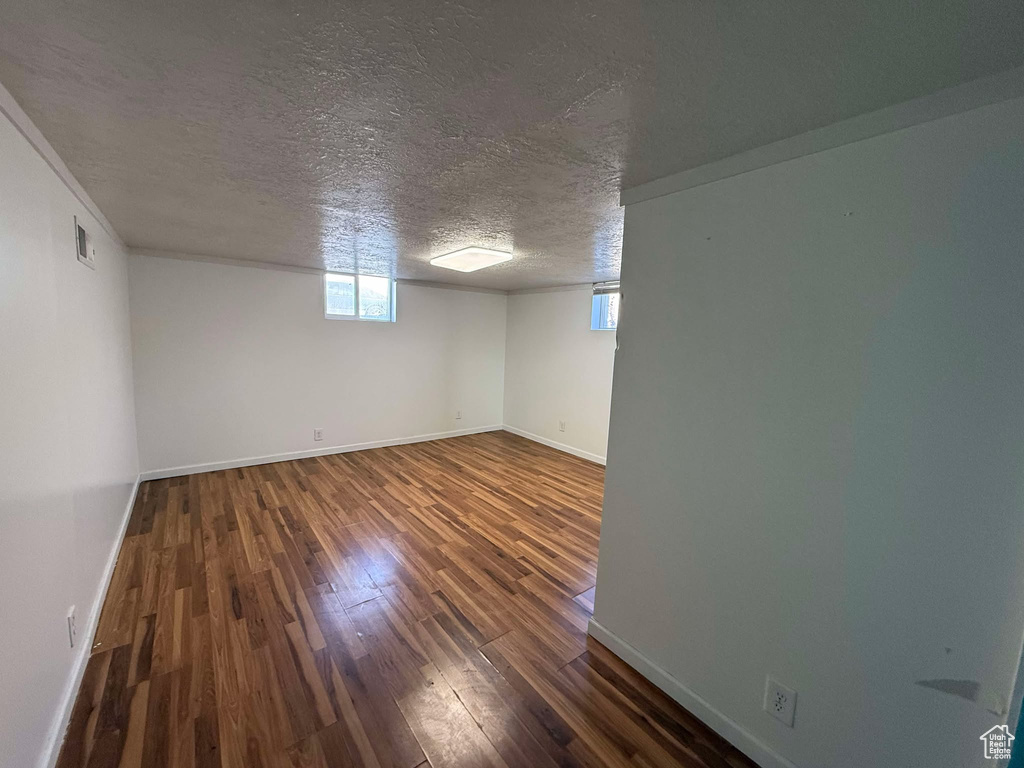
[[779, 701], [318, 434]]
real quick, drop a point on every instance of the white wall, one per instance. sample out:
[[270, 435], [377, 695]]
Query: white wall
[[234, 363], [816, 460], [557, 369], [67, 439]]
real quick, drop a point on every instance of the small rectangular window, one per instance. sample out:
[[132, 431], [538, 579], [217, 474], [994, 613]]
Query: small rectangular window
[[359, 297], [604, 312]]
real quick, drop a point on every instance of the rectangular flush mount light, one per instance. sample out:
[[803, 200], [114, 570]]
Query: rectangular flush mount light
[[471, 259]]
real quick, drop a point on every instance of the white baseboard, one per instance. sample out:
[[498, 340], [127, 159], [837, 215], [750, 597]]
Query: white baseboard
[[725, 727], [555, 444], [251, 461], [55, 736]]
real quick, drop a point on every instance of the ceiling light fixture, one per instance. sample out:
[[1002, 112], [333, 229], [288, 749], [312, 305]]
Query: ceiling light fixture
[[471, 259]]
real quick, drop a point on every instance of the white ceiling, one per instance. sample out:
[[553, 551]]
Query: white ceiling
[[376, 135]]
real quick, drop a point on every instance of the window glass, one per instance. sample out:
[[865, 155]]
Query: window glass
[[604, 314], [374, 298], [340, 294]]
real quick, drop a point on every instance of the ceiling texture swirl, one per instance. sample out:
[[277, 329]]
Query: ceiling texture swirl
[[374, 136]]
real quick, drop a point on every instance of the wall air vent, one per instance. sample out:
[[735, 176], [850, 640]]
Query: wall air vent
[[83, 246]]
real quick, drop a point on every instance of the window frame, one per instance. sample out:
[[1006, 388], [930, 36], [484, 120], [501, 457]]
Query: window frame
[[392, 316]]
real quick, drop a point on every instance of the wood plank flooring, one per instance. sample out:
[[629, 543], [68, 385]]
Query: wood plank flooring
[[405, 607]]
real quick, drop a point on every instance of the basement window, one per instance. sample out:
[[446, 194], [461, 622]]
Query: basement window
[[359, 297], [604, 311]]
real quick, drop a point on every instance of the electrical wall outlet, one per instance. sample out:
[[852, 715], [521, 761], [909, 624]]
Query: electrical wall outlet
[[458, 415], [561, 426], [318, 434], [779, 701], [72, 627]]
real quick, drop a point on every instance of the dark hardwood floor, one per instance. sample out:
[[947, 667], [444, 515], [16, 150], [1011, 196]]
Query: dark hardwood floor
[[422, 605]]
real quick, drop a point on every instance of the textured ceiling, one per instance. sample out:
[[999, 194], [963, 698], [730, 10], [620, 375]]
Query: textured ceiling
[[375, 135]]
